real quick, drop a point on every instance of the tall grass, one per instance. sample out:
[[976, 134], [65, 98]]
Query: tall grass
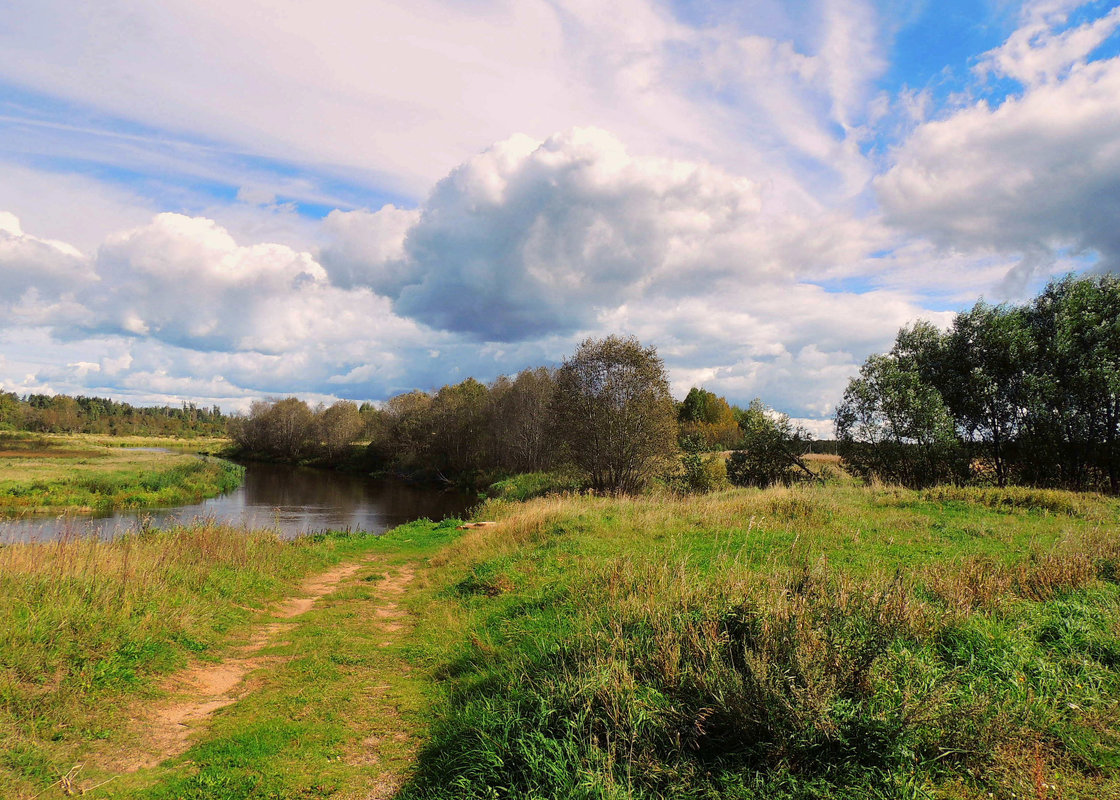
[[780, 644]]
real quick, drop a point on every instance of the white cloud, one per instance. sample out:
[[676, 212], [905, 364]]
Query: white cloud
[[1037, 54], [395, 95], [538, 237], [36, 273], [1035, 175]]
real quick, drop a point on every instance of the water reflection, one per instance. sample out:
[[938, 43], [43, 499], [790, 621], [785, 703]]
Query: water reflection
[[291, 500]]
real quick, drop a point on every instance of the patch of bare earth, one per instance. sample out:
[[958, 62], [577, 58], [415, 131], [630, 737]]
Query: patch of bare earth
[[201, 690]]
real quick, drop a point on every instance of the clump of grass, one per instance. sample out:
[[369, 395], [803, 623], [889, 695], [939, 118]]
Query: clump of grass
[[796, 504], [984, 583], [528, 485], [1053, 501]]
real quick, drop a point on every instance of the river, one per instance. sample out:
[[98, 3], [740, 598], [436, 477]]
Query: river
[[290, 500]]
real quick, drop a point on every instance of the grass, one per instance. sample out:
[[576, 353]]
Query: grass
[[88, 626], [812, 642], [833, 642], [40, 475], [528, 485]]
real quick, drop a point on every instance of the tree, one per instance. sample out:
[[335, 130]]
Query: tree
[[771, 449], [11, 415], [705, 414], [613, 412], [1072, 435], [982, 379], [520, 420], [279, 428], [459, 426], [894, 426], [339, 426], [407, 431]]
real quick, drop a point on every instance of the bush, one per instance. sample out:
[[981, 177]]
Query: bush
[[771, 449], [699, 474]]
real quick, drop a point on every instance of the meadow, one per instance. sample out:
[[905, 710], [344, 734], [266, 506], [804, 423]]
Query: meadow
[[42, 474], [834, 641]]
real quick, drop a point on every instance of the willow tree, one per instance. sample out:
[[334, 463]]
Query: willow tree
[[613, 412]]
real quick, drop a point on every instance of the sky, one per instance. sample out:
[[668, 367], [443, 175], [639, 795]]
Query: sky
[[224, 201]]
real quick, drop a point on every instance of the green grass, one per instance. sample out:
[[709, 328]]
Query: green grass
[[837, 642], [73, 474], [528, 485], [814, 642], [87, 627]]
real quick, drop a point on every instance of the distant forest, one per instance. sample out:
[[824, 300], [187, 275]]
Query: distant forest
[[59, 413]]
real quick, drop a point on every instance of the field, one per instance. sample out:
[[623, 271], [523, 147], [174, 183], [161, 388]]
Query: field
[[814, 642], [817, 642], [85, 474]]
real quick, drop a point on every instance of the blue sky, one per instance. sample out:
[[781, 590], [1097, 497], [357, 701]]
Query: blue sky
[[224, 201]]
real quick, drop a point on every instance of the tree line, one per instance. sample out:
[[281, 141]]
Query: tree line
[[1026, 394], [44, 413], [605, 413]]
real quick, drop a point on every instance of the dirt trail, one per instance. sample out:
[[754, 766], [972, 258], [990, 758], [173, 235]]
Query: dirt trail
[[202, 690]]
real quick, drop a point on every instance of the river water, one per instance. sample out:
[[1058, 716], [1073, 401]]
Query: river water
[[290, 500]]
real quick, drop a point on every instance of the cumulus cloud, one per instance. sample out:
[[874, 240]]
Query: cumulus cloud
[[514, 256], [531, 238], [185, 281], [1037, 174], [37, 276]]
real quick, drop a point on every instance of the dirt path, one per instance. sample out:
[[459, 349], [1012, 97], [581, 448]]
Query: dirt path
[[203, 689]]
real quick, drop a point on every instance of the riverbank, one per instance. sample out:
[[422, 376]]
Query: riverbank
[[835, 642], [85, 474]]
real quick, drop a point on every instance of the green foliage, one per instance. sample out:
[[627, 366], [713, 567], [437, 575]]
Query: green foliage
[[684, 653], [43, 413], [1027, 394], [770, 448], [468, 431], [613, 412], [281, 429], [709, 417], [698, 473], [894, 426]]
